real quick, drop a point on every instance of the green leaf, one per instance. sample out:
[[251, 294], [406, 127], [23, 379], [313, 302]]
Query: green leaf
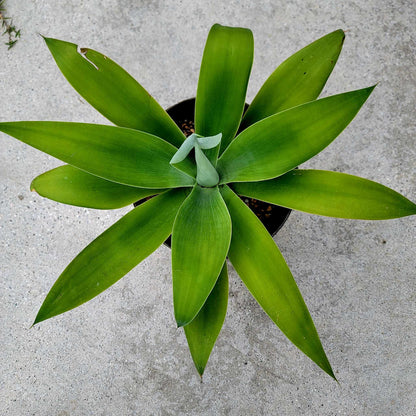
[[264, 271], [200, 240], [279, 143], [118, 154], [114, 253], [209, 142], [297, 80], [206, 173], [330, 193], [203, 331], [222, 85], [72, 186], [112, 91]]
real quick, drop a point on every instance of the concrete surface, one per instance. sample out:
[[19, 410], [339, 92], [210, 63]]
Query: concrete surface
[[121, 354]]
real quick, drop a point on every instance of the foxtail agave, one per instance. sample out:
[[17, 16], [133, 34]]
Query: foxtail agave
[[197, 180]]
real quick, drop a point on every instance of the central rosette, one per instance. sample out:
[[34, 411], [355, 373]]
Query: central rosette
[[206, 174]]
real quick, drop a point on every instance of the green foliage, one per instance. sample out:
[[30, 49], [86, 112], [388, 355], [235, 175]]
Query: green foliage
[[197, 180], [223, 79], [264, 271], [8, 28], [298, 80], [203, 331], [200, 240], [114, 253], [206, 175], [73, 186], [296, 135], [112, 91], [332, 194]]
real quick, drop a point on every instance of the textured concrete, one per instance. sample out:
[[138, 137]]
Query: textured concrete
[[121, 354]]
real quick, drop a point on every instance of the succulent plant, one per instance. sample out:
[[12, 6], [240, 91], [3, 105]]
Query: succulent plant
[[197, 180]]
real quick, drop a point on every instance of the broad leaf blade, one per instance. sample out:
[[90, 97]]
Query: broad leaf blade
[[73, 186], [118, 154], [112, 91], [281, 142], [297, 80], [114, 253], [264, 271], [222, 85], [330, 193], [200, 240], [203, 331]]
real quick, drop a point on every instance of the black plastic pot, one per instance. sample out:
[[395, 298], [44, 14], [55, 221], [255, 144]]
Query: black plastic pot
[[272, 216]]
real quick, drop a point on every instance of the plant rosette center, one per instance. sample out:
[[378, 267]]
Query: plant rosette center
[[206, 176]]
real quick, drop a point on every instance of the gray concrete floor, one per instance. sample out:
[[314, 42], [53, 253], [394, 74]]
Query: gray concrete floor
[[121, 354]]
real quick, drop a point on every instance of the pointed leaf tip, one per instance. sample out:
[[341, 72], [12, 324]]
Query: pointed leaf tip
[[69, 185], [38, 318], [268, 278], [222, 84], [332, 194], [203, 331], [113, 254], [328, 370], [299, 79], [50, 41], [112, 91]]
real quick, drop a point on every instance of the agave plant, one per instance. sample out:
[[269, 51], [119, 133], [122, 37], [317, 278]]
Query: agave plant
[[197, 180]]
